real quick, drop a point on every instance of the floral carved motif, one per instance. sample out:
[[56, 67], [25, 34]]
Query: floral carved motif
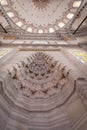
[[41, 4]]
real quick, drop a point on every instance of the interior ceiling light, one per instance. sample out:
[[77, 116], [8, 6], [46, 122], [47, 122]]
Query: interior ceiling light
[[10, 14], [61, 24], [3, 2], [19, 23], [77, 3], [40, 31], [29, 29], [51, 30], [70, 16]]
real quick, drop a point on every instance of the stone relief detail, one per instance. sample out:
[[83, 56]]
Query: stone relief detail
[[40, 76], [41, 4]]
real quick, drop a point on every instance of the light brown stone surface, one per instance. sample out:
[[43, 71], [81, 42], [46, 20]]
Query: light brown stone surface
[[64, 110]]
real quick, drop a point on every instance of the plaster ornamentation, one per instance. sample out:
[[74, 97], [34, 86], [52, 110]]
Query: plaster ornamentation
[[40, 77], [41, 4], [41, 15]]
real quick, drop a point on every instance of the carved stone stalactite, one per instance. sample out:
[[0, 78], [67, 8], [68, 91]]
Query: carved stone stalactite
[[37, 89], [42, 78]]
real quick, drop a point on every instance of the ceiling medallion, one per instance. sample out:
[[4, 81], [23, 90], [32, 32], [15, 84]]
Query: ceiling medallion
[[41, 4]]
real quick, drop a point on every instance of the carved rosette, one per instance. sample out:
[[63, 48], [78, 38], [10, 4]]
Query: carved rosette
[[41, 4]]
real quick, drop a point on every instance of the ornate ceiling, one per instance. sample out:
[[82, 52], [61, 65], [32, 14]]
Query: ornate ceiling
[[39, 77], [41, 16], [41, 4]]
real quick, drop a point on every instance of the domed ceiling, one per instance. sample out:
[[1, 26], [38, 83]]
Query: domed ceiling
[[41, 16]]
